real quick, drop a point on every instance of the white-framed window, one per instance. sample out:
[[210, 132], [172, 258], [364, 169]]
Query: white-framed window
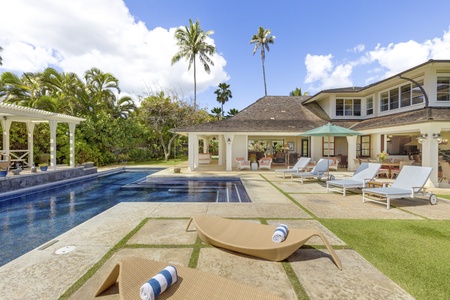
[[443, 88], [348, 107], [369, 105], [402, 96]]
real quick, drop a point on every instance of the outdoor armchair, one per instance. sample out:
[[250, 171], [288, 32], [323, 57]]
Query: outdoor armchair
[[265, 163], [242, 163]]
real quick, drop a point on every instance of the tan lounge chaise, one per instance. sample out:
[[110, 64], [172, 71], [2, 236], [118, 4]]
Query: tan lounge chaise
[[131, 272], [254, 239]]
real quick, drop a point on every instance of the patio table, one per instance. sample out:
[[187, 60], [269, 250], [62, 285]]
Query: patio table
[[390, 166]]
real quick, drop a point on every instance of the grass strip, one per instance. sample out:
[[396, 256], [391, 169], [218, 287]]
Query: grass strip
[[290, 198], [413, 253], [193, 261], [83, 279], [297, 286]]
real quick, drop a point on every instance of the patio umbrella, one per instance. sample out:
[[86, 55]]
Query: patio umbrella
[[329, 130]]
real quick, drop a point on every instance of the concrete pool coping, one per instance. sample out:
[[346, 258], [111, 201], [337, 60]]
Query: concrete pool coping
[[41, 274]]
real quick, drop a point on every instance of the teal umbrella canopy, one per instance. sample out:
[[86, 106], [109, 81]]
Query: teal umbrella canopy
[[330, 130]]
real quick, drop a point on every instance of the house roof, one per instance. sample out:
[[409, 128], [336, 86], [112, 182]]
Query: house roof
[[271, 114], [405, 118]]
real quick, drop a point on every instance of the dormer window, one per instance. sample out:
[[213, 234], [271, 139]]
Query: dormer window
[[348, 107]]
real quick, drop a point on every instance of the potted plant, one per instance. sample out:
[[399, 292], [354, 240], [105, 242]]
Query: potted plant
[[43, 161], [3, 172], [43, 167]]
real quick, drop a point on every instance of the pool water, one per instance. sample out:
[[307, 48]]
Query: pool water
[[30, 220]]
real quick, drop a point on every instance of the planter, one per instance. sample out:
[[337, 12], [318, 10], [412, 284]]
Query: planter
[[3, 173], [254, 166], [176, 170], [16, 171], [43, 168]]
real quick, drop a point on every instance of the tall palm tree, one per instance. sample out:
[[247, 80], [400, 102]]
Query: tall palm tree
[[1, 49], [192, 43], [223, 94], [262, 40]]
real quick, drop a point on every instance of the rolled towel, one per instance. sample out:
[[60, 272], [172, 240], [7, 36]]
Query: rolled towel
[[159, 283], [280, 233]]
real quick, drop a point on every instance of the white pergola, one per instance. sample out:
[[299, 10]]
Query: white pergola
[[12, 113]]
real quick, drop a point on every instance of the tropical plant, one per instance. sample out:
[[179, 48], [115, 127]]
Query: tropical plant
[[1, 60], [223, 94], [262, 40], [192, 43], [232, 112], [217, 112]]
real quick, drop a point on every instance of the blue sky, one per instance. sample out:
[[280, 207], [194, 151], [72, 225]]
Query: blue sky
[[319, 44]]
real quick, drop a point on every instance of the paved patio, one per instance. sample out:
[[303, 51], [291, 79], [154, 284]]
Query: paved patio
[[42, 274]]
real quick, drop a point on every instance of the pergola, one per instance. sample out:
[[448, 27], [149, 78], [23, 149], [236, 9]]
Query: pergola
[[12, 113]]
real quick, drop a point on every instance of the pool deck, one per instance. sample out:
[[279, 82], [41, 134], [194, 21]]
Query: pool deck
[[42, 274]]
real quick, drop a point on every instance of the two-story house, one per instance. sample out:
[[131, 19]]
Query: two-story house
[[404, 115]]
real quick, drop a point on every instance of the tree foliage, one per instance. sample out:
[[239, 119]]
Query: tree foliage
[[191, 42], [114, 130], [223, 94]]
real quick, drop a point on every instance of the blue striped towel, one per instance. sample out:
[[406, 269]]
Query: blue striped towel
[[159, 283], [280, 233]]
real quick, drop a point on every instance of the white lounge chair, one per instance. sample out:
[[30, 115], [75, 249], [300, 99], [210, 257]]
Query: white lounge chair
[[365, 173], [318, 171], [242, 163], [409, 183], [298, 167]]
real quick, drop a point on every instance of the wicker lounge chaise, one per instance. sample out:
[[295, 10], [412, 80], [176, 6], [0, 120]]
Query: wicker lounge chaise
[[254, 239], [131, 272]]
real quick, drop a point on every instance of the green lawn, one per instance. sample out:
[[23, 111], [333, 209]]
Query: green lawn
[[413, 253]]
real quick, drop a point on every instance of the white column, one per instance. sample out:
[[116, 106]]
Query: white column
[[221, 150], [205, 145], [192, 151], [53, 125], [351, 140], [6, 125], [30, 130], [72, 145], [430, 151], [229, 152]]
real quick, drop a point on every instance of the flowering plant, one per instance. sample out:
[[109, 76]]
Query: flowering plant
[[382, 156]]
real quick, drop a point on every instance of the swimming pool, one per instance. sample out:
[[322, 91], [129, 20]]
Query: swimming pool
[[29, 220]]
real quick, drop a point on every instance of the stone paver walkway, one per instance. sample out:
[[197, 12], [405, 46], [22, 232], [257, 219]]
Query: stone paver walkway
[[42, 274]]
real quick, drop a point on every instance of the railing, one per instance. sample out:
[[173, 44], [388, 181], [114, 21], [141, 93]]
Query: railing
[[20, 156]]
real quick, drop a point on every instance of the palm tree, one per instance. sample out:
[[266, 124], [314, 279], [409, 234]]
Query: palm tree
[[192, 43], [223, 94], [217, 112], [298, 92], [262, 40], [232, 112], [1, 49]]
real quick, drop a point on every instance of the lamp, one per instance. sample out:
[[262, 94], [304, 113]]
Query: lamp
[[229, 140], [422, 137], [439, 139]]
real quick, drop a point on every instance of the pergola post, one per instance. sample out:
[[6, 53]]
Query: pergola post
[[72, 144], [53, 125], [6, 125], [30, 130]]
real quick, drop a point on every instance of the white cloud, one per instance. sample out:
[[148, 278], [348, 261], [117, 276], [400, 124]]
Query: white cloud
[[381, 62], [75, 36], [320, 68], [357, 49]]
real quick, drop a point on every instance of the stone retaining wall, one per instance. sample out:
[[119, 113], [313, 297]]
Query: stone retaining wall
[[13, 183]]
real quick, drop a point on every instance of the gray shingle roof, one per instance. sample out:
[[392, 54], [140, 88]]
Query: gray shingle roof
[[288, 114]]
